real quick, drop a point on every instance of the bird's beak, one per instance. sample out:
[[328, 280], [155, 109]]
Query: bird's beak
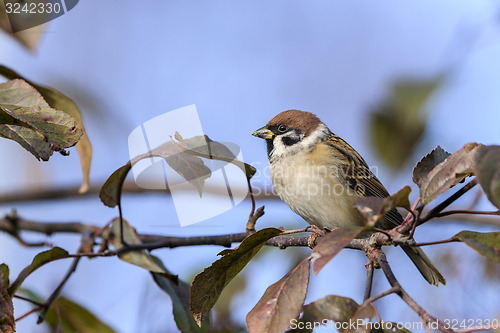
[[263, 133]]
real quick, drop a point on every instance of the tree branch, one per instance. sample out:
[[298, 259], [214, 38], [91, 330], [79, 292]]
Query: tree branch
[[381, 259]]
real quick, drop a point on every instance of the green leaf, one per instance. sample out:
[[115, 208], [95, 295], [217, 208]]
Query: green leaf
[[59, 101], [454, 169], [208, 285], [136, 257], [375, 208], [111, 191], [331, 244], [67, 316], [487, 170], [426, 164], [281, 303], [487, 244], [40, 259], [399, 123], [7, 321], [178, 291], [26, 118]]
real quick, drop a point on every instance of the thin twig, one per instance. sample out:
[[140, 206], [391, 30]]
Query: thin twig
[[35, 309], [252, 219], [451, 240], [28, 300], [369, 280], [382, 294], [467, 212], [439, 208], [57, 291], [424, 315], [250, 192]]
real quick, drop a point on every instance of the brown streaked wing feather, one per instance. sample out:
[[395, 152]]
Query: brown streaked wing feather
[[360, 177]]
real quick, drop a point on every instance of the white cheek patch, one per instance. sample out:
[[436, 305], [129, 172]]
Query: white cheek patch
[[280, 150]]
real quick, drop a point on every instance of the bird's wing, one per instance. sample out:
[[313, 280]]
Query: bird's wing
[[359, 176]]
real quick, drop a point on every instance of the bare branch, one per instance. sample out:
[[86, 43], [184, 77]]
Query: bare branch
[[369, 280], [380, 258]]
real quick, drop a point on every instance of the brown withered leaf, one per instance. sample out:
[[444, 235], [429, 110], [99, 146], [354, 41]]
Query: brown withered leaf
[[59, 101], [487, 171], [427, 163], [375, 208], [205, 147], [188, 166], [486, 244], [448, 173], [7, 321], [137, 257], [208, 285], [29, 38], [331, 244], [281, 303], [332, 307]]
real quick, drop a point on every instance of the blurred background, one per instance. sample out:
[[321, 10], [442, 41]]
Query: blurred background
[[395, 79]]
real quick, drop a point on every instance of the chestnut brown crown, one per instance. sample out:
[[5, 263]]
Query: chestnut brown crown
[[305, 121]]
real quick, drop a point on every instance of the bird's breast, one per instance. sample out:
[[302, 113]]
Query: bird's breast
[[315, 190]]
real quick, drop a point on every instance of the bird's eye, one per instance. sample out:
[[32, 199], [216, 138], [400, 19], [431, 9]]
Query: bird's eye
[[282, 128]]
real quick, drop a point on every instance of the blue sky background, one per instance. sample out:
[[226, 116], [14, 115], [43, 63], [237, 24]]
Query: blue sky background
[[240, 63]]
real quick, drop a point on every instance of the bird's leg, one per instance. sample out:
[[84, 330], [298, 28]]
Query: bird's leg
[[314, 235]]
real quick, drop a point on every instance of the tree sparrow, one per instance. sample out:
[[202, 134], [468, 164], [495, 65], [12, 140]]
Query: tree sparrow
[[320, 176]]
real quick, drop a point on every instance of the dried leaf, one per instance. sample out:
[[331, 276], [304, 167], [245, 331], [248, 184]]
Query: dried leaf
[[398, 124], [179, 294], [281, 303], [208, 285], [337, 308], [331, 244], [7, 321], [487, 244], [375, 208], [189, 167], [40, 259], [59, 101], [427, 163], [203, 146], [448, 173], [28, 38], [26, 118], [487, 170], [136, 257]]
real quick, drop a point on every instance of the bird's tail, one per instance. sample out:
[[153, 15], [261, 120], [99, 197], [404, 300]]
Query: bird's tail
[[428, 270]]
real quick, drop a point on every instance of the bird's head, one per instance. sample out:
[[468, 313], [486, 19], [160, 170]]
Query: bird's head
[[291, 132]]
